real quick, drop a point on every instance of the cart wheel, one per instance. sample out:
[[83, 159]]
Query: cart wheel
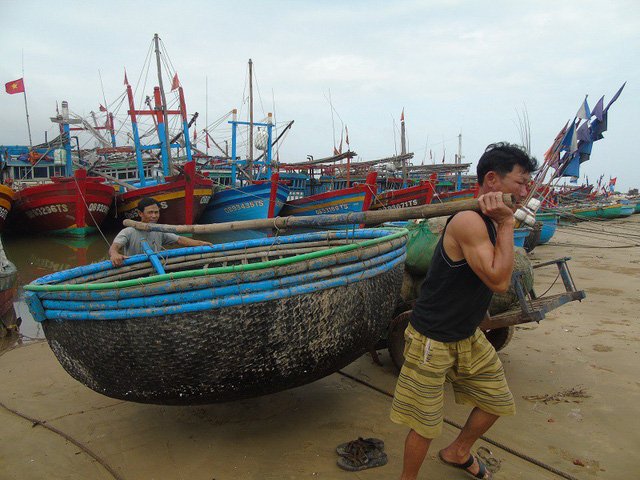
[[500, 337], [395, 339]]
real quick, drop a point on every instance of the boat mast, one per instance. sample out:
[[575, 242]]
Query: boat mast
[[250, 161], [403, 151], [164, 100], [459, 161]]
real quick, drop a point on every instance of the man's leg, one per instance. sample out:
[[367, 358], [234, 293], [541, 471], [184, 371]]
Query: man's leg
[[415, 449], [477, 424]]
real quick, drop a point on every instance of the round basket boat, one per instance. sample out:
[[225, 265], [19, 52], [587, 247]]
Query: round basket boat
[[227, 322]]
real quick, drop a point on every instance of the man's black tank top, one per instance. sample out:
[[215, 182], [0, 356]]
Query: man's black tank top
[[453, 300]]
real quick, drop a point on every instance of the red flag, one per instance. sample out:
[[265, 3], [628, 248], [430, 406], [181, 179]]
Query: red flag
[[206, 137], [17, 86], [613, 181], [347, 139], [175, 83], [126, 81], [102, 109], [195, 135], [402, 116], [443, 157]]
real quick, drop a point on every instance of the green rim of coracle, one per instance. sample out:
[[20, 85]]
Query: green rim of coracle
[[217, 270]]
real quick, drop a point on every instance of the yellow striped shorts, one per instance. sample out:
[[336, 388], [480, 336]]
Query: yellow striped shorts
[[471, 365]]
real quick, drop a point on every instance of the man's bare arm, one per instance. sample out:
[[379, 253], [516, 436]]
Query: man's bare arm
[[494, 265], [191, 242], [115, 256]]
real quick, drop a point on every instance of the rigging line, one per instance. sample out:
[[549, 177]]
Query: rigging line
[[584, 235], [147, 61], [144, 87], [218, 121], [255, 76], [587, 220], [166, 53], [600, 232], [104, 98], [42, 423], [578, 245], [333, 108], [84, 200]]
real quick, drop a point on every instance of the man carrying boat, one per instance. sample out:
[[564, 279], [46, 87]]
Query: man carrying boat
[[474, 258], [131, 239]]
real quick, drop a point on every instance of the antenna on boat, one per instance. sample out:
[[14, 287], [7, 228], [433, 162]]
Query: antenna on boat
[[250, 159], [206, 112], [403, 150], [164, 100]]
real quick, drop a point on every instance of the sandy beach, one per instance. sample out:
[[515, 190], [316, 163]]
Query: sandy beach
[[587, 352]]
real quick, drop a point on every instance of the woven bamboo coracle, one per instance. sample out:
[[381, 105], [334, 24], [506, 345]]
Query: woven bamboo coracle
[[227, 322]]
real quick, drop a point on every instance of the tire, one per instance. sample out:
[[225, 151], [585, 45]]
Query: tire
[[395, 339], [500, 337]]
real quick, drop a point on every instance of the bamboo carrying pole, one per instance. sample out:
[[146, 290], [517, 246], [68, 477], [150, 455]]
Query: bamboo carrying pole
[[375, 217]]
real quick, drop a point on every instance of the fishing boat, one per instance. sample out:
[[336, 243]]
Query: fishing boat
[[262, 199], [214, 324], [6, 200], [71, 204], [549, 223], [404, 197], [598, 212], [628, 209], [357, 198], [8, 289], [455, 195]]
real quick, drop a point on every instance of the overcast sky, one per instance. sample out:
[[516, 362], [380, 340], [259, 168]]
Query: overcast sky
[[455, 66]]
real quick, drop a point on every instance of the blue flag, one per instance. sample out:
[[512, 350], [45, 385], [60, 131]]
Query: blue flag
[[598, 110], [572, 168], [615, 97], [583, 111]]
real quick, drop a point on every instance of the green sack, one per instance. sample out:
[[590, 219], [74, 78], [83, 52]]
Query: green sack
[[501, 302], [423, 237]]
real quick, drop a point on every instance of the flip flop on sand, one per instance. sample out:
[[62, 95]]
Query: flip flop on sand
[[483, 473], [367, 444], [361, 460]]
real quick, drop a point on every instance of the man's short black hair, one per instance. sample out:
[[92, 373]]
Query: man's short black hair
[[147, 202], [501, 158]]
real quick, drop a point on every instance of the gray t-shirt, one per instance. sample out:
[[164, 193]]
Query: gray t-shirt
[[130, 240]]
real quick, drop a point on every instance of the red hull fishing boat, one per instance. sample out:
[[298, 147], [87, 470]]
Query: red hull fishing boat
[[73, 206], [182, 198], [405, 197]]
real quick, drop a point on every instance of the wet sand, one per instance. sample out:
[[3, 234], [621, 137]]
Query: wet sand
[[593, 344]]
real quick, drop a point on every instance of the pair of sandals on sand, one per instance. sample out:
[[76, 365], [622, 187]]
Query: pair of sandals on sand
[[361, 454]]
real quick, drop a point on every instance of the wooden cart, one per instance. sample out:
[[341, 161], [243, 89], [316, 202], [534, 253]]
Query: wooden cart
[[499, 328]]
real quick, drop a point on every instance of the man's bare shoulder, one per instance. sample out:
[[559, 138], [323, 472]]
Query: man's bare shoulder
[[467, 219], [466, 225]]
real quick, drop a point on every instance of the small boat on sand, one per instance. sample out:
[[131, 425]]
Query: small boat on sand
[[203, 325]]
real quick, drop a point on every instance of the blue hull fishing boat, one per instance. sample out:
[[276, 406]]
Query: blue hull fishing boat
[[260, 200], [213, 324]]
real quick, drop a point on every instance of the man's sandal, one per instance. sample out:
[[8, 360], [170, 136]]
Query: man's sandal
[[483, 473], [368, 444], [361, 460]]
